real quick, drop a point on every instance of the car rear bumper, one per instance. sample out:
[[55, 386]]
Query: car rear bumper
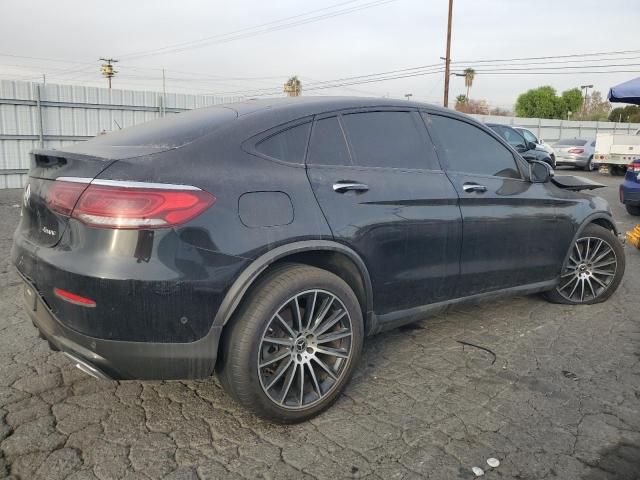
[[122, 360], [630, 193], [574, 161]]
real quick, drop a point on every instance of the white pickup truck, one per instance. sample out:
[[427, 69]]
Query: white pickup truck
[[615, 151]]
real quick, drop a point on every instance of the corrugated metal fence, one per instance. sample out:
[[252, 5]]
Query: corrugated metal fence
[[51, 116], [34, 115], [551, 130]]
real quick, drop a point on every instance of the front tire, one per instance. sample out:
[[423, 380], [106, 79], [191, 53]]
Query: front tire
[[293, 344], [589, 166], [593, 270], [633, 210]]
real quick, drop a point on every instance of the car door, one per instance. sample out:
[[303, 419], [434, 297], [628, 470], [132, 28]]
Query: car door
[[509, 223], [377, 179]]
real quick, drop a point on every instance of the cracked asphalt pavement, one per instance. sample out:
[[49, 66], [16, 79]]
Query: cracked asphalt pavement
[[562, 400]]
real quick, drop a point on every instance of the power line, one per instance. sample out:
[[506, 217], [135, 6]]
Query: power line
[[254, 31]]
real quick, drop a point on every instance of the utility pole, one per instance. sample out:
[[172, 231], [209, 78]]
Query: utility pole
[[586, 95], [44, 80], [107, 69], [448, 57], [408, 96]]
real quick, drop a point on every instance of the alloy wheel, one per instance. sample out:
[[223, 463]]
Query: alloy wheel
[[590, 270], [304, 349]]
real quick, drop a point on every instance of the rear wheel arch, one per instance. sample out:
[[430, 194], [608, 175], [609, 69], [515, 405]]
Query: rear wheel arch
[[328, 255]]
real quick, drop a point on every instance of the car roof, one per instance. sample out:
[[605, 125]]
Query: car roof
[[314, 105]]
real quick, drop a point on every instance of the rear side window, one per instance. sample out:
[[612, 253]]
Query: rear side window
[[289, 145], [469, 149], [389, 139], [328, 145]]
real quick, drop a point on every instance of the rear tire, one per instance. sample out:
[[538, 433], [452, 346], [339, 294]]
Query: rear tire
[[633, 210], [279, 344], [617, 170], [593, 270]]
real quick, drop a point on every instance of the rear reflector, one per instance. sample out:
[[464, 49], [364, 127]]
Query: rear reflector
[[128, 205], [73, 298]]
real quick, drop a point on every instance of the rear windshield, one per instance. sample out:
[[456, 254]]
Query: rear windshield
[[172, 131], [572, 141]]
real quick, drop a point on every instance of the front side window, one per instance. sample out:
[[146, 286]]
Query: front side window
[[288, 145], [389, 139], [469, 149]]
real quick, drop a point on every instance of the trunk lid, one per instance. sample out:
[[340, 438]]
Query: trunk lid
[[39, 224]]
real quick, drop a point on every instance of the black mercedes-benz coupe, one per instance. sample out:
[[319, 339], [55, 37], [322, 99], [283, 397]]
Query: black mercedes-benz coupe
[[264, 240]]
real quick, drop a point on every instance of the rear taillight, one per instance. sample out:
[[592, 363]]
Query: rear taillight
[[634, 167], [62, 196], [132, 205], [576, 150]]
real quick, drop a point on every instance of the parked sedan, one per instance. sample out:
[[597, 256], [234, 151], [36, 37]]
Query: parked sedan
[[528, 150], [540, 144], [576, 152], [630, 189], [264, 240]]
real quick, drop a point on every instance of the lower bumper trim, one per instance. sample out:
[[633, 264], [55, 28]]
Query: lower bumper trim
[[87, 368], [124, 360]]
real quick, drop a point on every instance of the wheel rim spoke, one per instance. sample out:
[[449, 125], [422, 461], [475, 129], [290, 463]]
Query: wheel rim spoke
[[593, 292], [320, 329], [273, 360], [287, 342], [286, 326], [305, 349], [332, 337], [333, 352], [314, 379], [584, 277], [279, 374]]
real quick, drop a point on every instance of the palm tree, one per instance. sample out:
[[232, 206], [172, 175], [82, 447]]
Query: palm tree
[[293, 87], [469, 75]]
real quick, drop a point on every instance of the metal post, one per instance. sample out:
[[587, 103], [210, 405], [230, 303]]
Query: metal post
[[39, 113], [560, 134], [164, 94], [448, 57]]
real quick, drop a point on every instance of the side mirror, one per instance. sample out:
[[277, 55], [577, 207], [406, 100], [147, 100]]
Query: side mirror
[[540, 172], [531, 146]]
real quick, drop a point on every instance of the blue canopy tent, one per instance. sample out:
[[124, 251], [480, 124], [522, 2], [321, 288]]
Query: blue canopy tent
[[627, 92]]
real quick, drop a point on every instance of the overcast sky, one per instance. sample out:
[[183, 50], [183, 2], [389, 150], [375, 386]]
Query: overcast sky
[[396, 35]]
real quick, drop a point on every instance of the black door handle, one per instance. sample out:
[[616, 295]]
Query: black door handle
[[345, 186], [473, 187]]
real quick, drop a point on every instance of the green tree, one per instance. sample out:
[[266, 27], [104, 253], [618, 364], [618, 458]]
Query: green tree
[[539, 102], [570, 101], [469, 75], [543, 102], [630, 113], [460, 99]]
